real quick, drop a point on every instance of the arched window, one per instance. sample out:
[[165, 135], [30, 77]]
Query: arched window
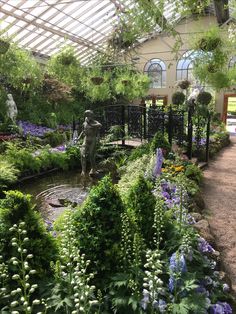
[[232, 62], [184, 69], [156, 70]]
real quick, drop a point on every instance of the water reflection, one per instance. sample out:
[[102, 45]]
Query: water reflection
[[55, 191]]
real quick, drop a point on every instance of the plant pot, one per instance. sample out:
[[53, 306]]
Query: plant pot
[[66, 60], [125, 82], [211, 68], [97, 80], [4, 46], [27, 80], [209, 44]]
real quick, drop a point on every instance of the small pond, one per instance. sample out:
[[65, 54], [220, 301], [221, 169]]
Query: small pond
[[53, 191]]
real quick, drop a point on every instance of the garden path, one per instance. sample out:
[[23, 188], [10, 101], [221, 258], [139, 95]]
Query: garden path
[[219, 193]]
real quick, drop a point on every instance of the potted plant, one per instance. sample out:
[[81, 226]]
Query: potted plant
[[4, 46]]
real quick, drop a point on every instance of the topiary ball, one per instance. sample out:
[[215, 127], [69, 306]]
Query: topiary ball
[[204, 98], [178, 98]]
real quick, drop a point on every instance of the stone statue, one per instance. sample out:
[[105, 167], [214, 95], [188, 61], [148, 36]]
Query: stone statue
[[11, 108], [193, 97], [88, 148]]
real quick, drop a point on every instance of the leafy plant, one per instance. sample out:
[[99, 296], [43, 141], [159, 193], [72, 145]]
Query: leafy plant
[[204, 98], [178, 98], [160, 141], [65, 67], [15, 208], [98, 229], [8, 174], [19, 69], [141, 201]]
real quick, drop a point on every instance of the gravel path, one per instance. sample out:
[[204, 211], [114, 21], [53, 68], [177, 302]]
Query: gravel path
[[219, 193]]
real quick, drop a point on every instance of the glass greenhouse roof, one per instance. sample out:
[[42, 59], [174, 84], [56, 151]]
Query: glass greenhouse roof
[[45, 26]]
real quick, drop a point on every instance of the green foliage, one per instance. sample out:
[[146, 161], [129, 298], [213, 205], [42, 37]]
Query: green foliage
[[15, 208], [130, 84], [71, 289], [29, 159], [211, 62], [22, 158], [138, 152], [8, 174], [204, 98], [20, 70], [178, 98], [123, 298], [160, 141], [193, 172], [141, 201], [209, 40], [65, 67], [73, 153], [131, 172], [98, 228], [95, 92]]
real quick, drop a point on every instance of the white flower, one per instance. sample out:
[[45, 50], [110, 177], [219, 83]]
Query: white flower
[[15, 277]]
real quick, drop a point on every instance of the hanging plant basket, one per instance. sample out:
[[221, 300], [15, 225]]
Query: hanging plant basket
[[125, 82], [211, 68], [4, 46], [209, 44], [184, 84], [97, 80], [27, 80]]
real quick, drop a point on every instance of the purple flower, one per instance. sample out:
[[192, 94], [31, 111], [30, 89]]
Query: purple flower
[[146, 299], [226, 287], [171, 283], [204, 246], [158, 164], [162, 306], [177, 263], [221, 308], [33, 129]]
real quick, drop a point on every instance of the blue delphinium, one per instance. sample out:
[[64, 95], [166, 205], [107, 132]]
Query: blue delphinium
[[204, 246], [221, 308], [158, 164], [177, 263], [177, 266], [145, 300]]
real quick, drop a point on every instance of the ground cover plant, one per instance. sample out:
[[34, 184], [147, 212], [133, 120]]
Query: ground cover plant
[[130, 248]]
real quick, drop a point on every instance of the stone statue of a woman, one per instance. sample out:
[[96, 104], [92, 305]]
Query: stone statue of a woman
[[88, 148], [11, 108]]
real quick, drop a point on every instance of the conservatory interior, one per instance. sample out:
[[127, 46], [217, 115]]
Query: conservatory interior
[[117, 156]]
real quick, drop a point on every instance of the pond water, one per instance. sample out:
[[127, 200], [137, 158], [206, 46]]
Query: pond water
[[53, 192]]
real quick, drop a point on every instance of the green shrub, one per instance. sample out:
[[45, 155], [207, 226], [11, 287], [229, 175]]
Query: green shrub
[[73, 154], [178, 98], [160, 141], [98, 225], [141, 201], [194, 173], [54, 138], [8, 174], [16, 208], [139, 151]]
